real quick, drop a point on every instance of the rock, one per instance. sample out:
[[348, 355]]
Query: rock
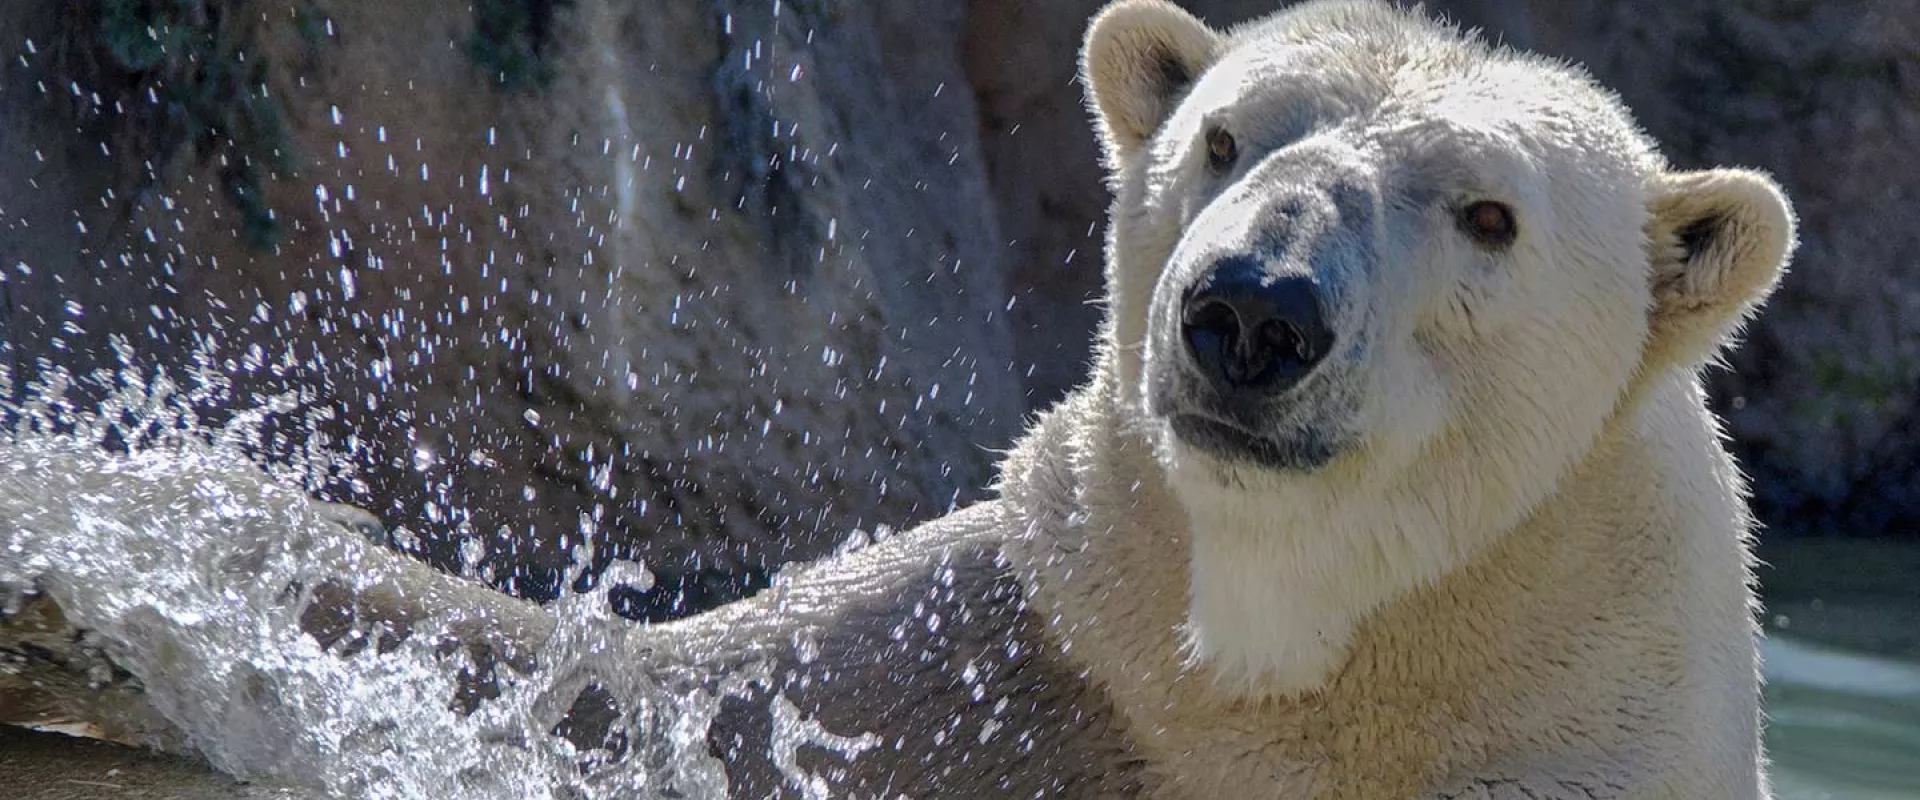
[[1823, 402], [724, 285], [50, 766]]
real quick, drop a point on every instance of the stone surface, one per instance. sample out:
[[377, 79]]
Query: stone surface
[[52, 766], [725, 287], [1823, 401]]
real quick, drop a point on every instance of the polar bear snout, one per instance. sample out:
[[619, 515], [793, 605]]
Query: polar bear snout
[[1249, 332], [1241, 375], [1257, 324]]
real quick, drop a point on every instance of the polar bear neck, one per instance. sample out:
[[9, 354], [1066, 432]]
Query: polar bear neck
[[1245, 600], [1120, 564], [1615, 618], [1272, 610], [1281, 574]]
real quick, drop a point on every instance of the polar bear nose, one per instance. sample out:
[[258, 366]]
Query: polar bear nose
[[1248, 330]]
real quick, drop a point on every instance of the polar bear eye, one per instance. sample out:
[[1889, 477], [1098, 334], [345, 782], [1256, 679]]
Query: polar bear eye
[[1489, 223], [1221, 150]]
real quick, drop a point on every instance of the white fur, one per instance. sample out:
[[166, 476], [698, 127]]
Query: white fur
[[1506, 409], [1488, 374]]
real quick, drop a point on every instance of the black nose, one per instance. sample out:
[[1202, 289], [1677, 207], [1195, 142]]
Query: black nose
[[1253, 332]]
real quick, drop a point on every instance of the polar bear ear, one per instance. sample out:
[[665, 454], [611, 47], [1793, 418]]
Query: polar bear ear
[[1720, 240], [1140, 56]]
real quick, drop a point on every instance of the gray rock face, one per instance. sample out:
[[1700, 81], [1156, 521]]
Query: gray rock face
[[1823, 401], [49, 766], [726, 285]]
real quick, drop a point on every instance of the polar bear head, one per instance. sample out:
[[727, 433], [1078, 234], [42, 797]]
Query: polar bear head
[[1375, 286]]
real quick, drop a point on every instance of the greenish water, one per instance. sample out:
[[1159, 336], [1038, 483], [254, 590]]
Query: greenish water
[[1842, 725]]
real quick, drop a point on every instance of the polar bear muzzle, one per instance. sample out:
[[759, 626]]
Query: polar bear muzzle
[[1258, 329], [1247, 332], [1249, 338]]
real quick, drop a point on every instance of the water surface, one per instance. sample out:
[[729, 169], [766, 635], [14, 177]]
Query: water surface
[[1842, 725]]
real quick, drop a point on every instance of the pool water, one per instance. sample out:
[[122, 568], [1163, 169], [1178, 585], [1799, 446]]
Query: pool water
[[1841, 725]]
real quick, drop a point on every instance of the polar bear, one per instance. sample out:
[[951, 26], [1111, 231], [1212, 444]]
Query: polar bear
[[1394, 478], [1399, 393]]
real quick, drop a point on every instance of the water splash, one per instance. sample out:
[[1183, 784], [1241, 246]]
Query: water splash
[[154, 521]]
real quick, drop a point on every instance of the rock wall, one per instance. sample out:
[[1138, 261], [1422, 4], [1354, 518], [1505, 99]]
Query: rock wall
[[1823, 401], [64, 767], [712, 282]]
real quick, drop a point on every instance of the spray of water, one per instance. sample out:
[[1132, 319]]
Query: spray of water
[[152, 520]]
